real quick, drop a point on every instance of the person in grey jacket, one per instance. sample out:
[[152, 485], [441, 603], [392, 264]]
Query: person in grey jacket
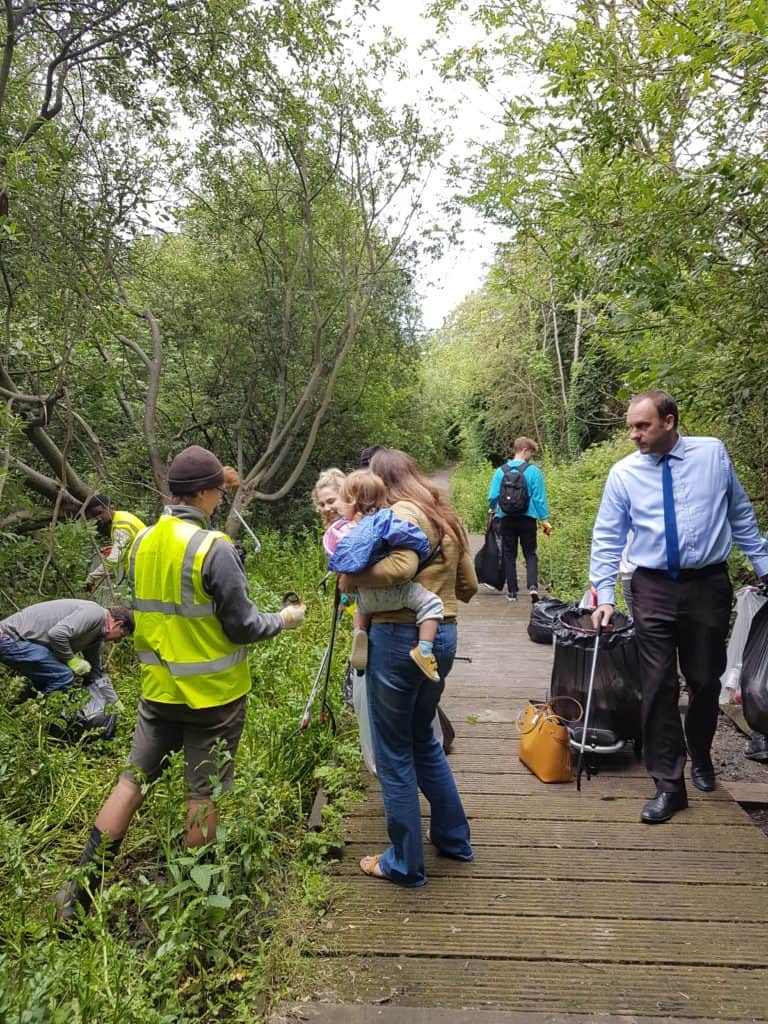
[[194, 668], [55, 642]]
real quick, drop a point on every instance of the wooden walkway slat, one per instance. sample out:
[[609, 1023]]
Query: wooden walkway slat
[[687, 993], [561, 802], [601, 785], [557, 939], [571, 906], [577, 864], [624, 900], [606, 835]]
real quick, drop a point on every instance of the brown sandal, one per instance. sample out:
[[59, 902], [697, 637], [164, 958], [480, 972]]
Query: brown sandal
[[370, 866]]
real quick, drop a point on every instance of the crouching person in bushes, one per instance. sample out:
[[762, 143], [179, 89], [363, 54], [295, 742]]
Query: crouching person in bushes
[[194, 619], [58, 644]]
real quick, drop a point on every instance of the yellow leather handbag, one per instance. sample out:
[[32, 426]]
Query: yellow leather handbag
[[545, 745]]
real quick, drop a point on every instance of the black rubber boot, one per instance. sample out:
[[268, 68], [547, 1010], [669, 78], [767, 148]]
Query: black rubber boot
[[96, 858]]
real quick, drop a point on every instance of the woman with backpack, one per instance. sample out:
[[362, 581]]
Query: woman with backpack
[[402, 701]]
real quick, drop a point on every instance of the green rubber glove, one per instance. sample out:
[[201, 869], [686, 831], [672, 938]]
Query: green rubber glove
[[79, 666]]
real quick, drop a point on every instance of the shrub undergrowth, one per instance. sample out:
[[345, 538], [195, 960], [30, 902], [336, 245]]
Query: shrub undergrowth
[[176, 936]]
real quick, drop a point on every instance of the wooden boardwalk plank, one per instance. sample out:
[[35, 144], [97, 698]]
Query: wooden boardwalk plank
[[608, 835], [689, 993], [573, 865], [639, 901], [571, 906], [563, 803], [557, 939]]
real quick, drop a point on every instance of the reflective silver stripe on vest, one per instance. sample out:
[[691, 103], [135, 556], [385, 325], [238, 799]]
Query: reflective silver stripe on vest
[[132, 562], [187, 586], [194, 668], [188, 608]]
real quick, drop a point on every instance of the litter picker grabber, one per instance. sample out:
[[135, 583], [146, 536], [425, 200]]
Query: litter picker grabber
[[248, 530], [588, 708], [551, 584], [323, 673]]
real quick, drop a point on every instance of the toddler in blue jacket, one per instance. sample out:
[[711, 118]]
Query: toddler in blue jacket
[[367, 534]]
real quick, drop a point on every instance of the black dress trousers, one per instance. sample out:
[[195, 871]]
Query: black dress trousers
[[686, 618]]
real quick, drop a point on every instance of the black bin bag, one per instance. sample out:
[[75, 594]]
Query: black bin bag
[[488, 560], [754, 674], [616, 697], [544, 614]]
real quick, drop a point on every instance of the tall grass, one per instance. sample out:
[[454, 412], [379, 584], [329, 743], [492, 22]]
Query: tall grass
[[175, 936]]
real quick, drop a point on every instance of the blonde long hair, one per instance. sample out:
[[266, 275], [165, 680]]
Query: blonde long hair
[[405, 480]]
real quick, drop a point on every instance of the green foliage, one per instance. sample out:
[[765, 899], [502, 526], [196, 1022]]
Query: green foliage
[[574, 489], [176, 936], [631, 185], [250, 290], [469, 492]]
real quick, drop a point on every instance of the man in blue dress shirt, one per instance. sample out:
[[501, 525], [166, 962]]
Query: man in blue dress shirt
[[683, 501], [520, 525]]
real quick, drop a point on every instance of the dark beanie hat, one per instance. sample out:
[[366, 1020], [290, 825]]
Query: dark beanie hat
[[195, 469]]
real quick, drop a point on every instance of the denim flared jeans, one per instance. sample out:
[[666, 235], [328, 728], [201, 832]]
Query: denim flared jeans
[[402, 704]]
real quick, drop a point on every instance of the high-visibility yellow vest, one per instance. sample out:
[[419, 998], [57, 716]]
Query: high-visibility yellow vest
[[185, 655], [132, 524]]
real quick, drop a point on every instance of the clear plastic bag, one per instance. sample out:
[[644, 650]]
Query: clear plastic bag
[[749, 600], [360, 704], [754, 674]]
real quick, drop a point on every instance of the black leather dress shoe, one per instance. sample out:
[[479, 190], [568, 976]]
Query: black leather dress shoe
[[663, 806], [703, 774]]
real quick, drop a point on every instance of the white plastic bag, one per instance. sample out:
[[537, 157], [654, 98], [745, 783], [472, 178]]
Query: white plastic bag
[[102, 699], [360, 704], [748, 601]]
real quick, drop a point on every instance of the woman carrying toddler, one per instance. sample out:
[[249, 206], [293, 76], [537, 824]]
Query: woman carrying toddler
[[365, 535]]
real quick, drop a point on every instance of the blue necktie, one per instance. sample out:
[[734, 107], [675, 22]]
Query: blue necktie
[[670, 520]]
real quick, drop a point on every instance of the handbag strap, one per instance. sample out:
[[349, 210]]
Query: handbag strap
[[546, 710], [563, 718]]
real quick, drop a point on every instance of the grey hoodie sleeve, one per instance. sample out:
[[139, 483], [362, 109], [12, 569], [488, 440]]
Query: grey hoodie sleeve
[[224, 580], [88, 623]]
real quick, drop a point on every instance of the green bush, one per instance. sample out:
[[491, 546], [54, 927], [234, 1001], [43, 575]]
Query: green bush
[[469, 486], [574, 490]]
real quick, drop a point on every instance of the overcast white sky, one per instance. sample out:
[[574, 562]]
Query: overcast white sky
[[442, 284]]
